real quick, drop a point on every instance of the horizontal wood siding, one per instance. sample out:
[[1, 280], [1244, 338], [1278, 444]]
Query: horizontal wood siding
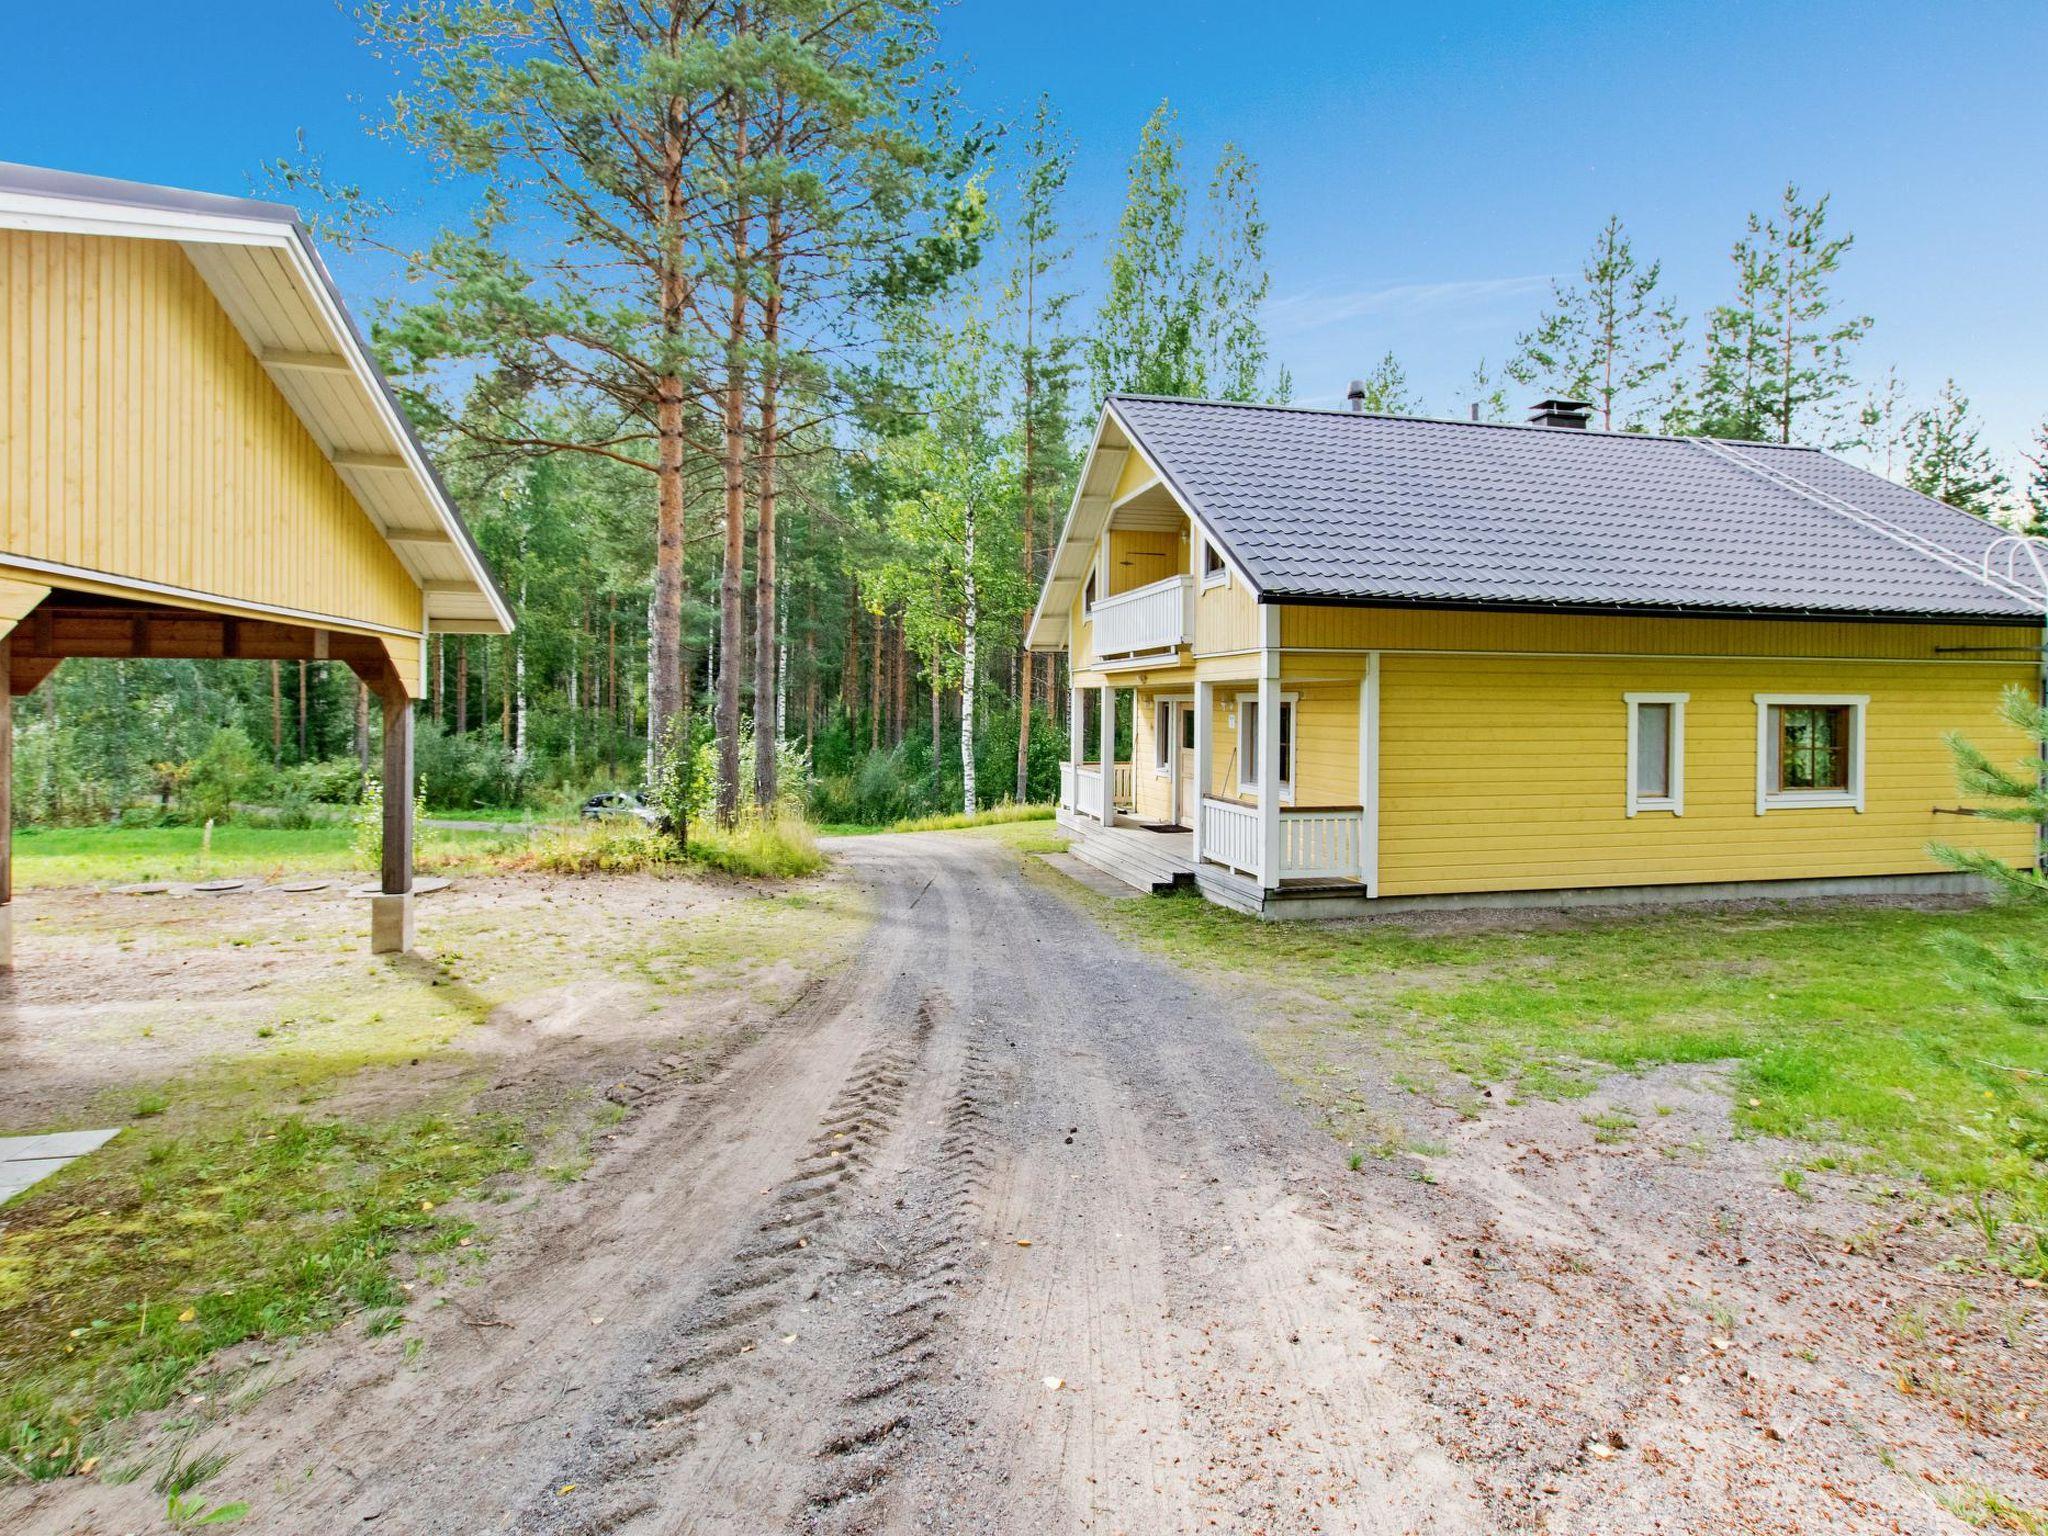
[[1501, 773], [139, 437], [1226, 617]]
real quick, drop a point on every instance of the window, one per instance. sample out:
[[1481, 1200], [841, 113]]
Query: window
[[1809, 750], [1656, 752], [1248, 745], [1187, 730], [1214, 571], [1162, 737], [1088, 595]]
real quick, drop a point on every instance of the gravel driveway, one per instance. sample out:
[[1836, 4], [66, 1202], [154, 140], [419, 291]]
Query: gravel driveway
[[1003, 1228]]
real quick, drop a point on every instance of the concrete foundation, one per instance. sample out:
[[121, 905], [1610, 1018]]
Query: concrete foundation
[[1232, 890], [391, 923]]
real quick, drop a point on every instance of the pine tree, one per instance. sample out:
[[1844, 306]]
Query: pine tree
[[1884, 425], [1947, 459], [1776, 364], [2036, 492], [1606, 339]]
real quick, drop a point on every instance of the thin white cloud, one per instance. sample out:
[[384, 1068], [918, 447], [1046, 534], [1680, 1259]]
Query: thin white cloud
[[1318, 307]]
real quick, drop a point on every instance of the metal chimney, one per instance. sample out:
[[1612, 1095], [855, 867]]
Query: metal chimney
[[1561, 413], [1356, 395]]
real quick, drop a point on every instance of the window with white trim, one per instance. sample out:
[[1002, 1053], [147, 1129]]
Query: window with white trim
[[1809, 750], [1656, 752], [1088, 596], [1162, 737], [1214, 572], [1248, 744]]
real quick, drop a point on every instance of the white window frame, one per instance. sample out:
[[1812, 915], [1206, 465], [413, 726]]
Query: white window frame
[[1768, 796], [1292, 703], [1674, 802], [1163, 743], [1220, 577]]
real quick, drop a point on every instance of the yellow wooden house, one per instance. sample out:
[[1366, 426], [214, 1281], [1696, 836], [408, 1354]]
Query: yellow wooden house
[[1365, 662], [198, 458]]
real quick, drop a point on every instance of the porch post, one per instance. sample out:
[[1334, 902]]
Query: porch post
[[1269, 751], [391, 911], [6, 805], [1109, 723], [1201, 774], [1077, 732]]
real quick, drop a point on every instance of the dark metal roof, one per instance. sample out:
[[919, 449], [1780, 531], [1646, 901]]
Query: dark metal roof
[[1332, 506]]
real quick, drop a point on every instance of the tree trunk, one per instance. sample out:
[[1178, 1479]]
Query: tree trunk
[[362, 742], [767, 672], [462, 685], [734, 435], [875, 688], [849, 681], [276, 713], [967, 678], [302, 711]]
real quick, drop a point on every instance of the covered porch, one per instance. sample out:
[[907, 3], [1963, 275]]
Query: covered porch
[[1243, 769]]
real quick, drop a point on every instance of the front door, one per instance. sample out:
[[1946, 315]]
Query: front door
[[1184, 764]]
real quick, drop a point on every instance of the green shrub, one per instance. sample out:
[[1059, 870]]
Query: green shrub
[[220, 775], [772, 848], [614, 847]]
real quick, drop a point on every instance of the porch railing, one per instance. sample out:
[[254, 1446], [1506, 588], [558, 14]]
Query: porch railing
[[1230, 836], [1314, 844], [1158, 617], [1067, 801], [1125, 790], [1088, 790], [1324, 845]]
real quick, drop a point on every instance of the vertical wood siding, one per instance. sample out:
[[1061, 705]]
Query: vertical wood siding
[[140, 438], [1140, 556]]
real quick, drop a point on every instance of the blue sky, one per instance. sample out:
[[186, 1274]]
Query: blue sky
[[1426, 168]]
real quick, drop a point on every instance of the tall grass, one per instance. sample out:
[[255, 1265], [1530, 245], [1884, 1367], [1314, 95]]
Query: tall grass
[[953, 821], [760, 848]]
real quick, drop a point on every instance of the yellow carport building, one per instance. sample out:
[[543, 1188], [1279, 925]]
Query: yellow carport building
[[198, 458]]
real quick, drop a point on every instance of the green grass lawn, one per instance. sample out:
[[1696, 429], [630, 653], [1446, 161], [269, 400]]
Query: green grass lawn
[[110, 855], [1845, 1023]]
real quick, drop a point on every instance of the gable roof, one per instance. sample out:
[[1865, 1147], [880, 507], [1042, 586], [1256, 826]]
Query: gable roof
[[1337, 507], [260, 261]]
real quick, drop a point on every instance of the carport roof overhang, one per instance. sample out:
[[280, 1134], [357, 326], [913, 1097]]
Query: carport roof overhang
[[260, 262]]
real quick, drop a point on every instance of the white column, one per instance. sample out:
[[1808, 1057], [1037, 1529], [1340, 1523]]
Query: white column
[[1108, 756], [1269, 752], [1077, 723], [1203, 702]]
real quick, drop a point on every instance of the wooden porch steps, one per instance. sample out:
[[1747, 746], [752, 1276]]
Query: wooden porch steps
[[1146, 861]]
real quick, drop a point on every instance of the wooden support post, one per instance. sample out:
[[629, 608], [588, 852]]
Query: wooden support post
[[6, 810], [391, 911], [1269, 754], [1108, 697]]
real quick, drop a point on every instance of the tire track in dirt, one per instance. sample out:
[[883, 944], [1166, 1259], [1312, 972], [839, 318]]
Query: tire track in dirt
[[621, 1478]]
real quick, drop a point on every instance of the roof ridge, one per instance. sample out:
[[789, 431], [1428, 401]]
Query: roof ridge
[[1602, 433]]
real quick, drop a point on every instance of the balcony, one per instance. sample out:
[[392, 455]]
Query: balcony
[[1145, 620]]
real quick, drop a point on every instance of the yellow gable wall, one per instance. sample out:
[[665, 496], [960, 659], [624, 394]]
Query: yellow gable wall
[[1140, 556], [139, 438]]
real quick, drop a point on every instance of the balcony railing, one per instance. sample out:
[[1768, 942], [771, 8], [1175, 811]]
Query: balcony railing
[[1159, 617]]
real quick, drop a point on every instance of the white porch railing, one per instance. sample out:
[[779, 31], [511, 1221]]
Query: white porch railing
[[1314, 845], [1067, 787], [1125, 789], [1158, 617], [1088, 790], [1230, 836], [1322, 845]]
